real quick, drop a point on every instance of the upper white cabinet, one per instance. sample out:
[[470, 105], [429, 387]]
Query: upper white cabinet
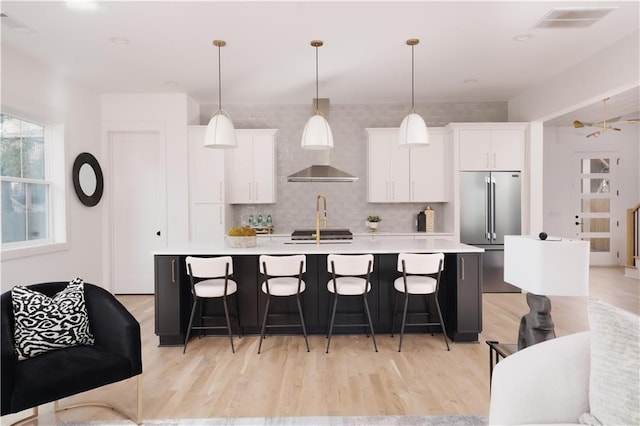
[[388, 167], [251, 167], [429, 166], [399, 174], [494, 146], [206, 169]]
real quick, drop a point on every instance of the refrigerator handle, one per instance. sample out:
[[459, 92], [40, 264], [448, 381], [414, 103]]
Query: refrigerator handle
[[493, 209], [487, 208]]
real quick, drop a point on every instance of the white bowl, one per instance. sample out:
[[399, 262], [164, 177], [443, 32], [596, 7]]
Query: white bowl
[[241, 242]]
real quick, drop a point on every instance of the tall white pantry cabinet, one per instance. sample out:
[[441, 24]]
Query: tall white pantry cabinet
[[221, 177]]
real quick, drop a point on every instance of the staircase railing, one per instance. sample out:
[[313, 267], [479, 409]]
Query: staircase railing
[[633, 237]]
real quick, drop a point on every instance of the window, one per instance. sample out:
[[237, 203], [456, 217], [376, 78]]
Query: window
[[26, 188]]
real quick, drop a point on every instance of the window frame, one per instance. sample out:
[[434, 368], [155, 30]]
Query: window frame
[[55, 154]]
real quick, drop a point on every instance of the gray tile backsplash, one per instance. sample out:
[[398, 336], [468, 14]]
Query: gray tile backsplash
[[347, 202]]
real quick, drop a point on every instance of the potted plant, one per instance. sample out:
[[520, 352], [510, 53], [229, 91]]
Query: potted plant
[[372, 222], [241, 237]]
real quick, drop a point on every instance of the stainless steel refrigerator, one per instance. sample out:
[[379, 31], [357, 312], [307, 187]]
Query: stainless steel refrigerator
[[489, 210]]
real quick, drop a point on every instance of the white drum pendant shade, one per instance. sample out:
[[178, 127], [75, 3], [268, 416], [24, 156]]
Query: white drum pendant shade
[[220, 132], [413, 131], [317, 134]]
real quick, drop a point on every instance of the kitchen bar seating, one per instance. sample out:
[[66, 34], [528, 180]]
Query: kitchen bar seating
[[283, 278], [350, 277], [210, 278], [420, 276]]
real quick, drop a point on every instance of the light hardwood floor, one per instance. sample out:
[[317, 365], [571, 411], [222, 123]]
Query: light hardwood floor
[[285, 380]]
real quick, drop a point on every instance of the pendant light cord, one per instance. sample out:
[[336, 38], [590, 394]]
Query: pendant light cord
[[317, 102], [219, 81], [412, 83]]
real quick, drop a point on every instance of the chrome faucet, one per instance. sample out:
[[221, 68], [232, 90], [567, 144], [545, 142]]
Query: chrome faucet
[[324, 199]]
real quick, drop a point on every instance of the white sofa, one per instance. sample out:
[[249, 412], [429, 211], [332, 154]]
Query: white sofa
[[545, 383], [591, 377]]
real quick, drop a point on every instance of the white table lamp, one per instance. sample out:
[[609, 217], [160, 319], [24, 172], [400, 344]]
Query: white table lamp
[[551, 267]]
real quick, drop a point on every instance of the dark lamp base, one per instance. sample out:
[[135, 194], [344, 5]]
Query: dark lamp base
[[537, 325]]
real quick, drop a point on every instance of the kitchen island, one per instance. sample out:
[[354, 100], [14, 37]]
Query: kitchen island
[[460, 293]]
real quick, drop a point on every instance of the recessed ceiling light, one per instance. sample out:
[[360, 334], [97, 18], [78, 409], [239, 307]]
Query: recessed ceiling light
[[119, 40], [171, 83], [523, 37], [470, 81]]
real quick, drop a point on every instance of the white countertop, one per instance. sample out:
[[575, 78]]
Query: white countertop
[[356, 246]]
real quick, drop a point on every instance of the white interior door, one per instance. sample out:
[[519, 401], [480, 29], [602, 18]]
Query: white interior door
[[137, 210], [595, 204]]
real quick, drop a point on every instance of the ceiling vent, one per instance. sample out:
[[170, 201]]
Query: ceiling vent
[[573, 17]]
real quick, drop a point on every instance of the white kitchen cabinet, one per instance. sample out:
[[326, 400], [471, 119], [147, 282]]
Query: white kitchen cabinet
[[399, 174], [208, 222], [251, 167], [388, 167], [492, 148], [206, 169], [428, 168]]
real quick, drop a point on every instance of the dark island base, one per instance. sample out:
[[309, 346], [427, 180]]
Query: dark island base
[[460, 298]]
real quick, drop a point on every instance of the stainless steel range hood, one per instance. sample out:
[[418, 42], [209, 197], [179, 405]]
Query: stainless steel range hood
[[321, 171]]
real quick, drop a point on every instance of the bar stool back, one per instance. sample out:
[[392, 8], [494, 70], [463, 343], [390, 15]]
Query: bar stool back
[[350, 277], [420, 276], [283, 278], [210, 278]]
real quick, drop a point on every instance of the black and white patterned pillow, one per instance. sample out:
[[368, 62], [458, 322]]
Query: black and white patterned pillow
[[45, 323]]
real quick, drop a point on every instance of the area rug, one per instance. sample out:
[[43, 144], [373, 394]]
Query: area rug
[[308, 421]]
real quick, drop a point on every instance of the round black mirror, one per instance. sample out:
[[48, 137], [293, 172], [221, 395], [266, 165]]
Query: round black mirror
[[87, 179]]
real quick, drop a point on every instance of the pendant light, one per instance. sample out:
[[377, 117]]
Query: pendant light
[[220, 132], [317, 133], [413, 130]]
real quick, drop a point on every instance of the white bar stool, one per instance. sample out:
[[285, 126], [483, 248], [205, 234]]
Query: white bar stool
[[350, 277], [210, 278], [420, 276], [283, 278]]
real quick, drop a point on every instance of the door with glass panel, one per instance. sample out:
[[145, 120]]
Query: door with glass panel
[[595, 204]]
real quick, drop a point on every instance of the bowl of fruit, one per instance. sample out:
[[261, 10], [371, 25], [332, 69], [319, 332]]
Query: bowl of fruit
[[241, 237]]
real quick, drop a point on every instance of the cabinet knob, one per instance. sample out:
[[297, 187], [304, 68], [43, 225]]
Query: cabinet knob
[[158, 233]]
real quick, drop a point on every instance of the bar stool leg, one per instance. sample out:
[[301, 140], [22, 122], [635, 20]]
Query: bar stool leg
[[404, 319], [226, 314], [193, 312], [373, 335], [264, 322], [333, 316], [304, 329], [444, 331]]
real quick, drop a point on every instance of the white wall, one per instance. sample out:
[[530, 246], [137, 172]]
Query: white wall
[[32, 91]]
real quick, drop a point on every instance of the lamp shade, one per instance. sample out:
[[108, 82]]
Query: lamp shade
[[413, 131], [317, 134], [220, 132], [552, 267]]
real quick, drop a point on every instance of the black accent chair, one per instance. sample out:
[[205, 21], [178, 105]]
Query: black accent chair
[[115, 356]]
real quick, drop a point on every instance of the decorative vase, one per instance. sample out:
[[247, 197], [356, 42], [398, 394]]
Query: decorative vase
[[372, 225], [430, 219]]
